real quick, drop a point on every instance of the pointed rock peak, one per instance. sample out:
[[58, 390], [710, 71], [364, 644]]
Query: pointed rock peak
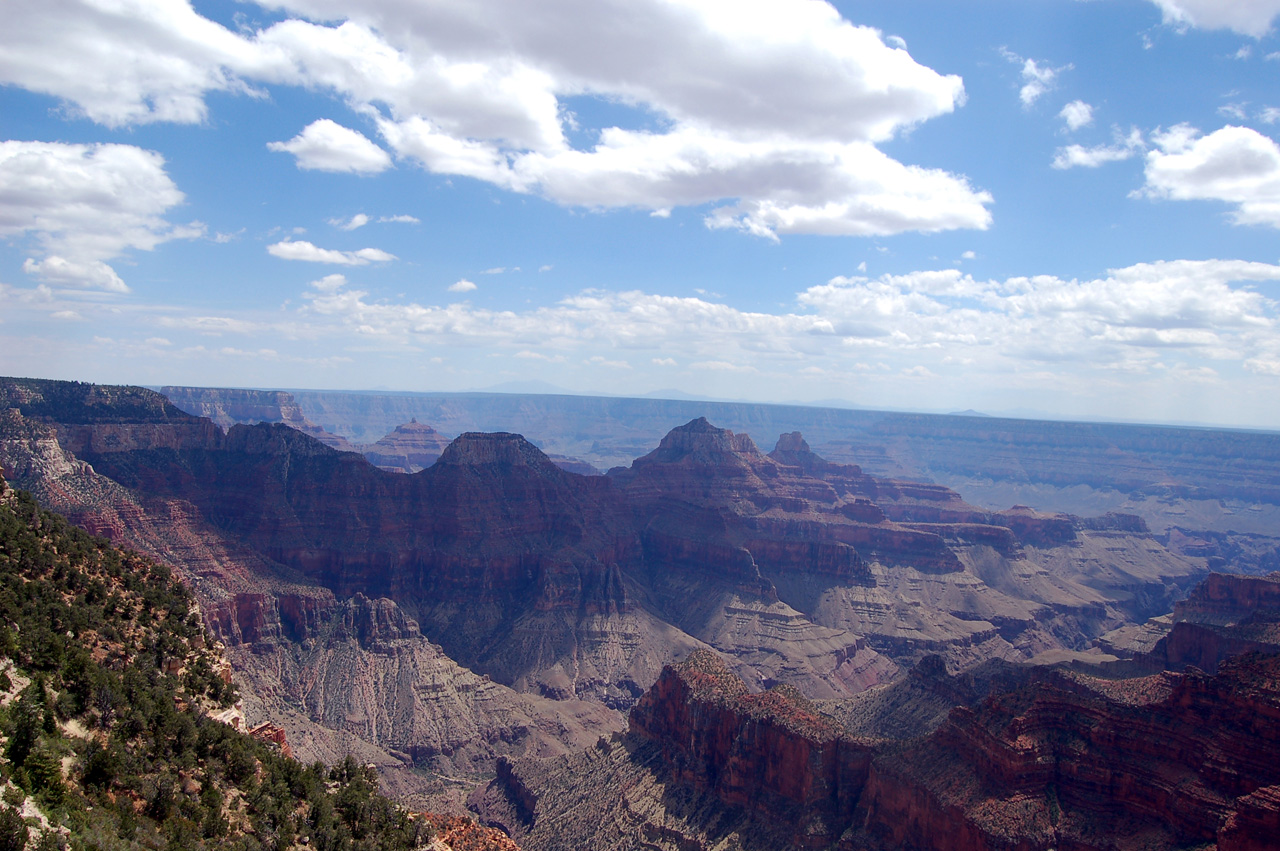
[[482, 449], [699, 425]]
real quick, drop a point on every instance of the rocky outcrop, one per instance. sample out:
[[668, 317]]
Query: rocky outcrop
[[1159, 761], [408, 448], [1225, 599], [1032, 760], [1223, 616], [768, 753]]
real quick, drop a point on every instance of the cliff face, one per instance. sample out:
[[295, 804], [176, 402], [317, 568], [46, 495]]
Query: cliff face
[[227, 407], [1045, 760], [1225, 599], [1223, 616], [1160, 762], [767, 753], [366, 674]]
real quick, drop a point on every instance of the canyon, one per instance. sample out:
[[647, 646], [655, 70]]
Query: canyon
[[1031, 758], [767, 642]]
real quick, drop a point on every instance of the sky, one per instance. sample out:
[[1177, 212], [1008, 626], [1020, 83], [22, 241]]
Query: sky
[[1056, 208]]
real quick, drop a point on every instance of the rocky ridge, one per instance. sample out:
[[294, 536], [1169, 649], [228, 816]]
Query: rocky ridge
[[288, 637], [799, 569]]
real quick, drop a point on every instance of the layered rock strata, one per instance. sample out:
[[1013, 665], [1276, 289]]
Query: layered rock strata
[[799, 570], [1045, 760]]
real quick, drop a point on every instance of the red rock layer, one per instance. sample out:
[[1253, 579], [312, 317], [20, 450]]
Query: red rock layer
[[765, 752], [1226, 598], [1064, 761]]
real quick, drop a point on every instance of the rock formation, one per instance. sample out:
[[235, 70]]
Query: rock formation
[[327, 673], [1046, 759], [798, 569], [248, 407], [408, 448]]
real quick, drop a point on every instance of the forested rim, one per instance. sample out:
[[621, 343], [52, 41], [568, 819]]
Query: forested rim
[[107, 686]]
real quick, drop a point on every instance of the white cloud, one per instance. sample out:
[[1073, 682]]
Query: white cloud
[[1234, 110], [58, 270], [1077, 114], [1238, 165], [531, 355], [84, 205], [1192, 312], [463, 286], [795, 187], [124, 63], [400, 219], [1269, 115], [775, 114], [359, 220], [1038, 78], [330, 283], [601, 360], [1247, 17], [325, 145], [496, 270], [303, 250], [1124, 148]]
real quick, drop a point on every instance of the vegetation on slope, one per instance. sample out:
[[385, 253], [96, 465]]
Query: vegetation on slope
[[106, 690]]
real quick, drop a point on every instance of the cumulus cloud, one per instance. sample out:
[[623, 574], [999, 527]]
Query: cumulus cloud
[[1247, 17], [303, 250], [120, 64], [1077, 114], [774, 115], [1237, 165], [326, 145], [1124, 148], [84, 205], [463, 286], [58, 270]]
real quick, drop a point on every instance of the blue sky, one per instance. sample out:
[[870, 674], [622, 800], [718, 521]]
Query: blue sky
[[1065, 207]]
